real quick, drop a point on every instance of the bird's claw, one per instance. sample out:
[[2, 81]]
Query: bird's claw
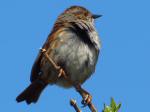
[[86, 100]]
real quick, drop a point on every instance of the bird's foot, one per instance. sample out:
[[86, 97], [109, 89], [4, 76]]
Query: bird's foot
[[87, 98]]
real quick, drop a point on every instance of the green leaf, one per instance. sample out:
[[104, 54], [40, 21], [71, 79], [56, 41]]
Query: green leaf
[[113, 107], [118, 107]]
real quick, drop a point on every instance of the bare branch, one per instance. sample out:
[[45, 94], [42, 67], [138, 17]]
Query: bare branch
[[74, 105], [92, 107]]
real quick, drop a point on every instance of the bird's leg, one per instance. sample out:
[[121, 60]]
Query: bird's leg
[[87, 98], [58, 68]]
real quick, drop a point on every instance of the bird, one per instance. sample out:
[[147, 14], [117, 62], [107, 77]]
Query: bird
[[73, 46]]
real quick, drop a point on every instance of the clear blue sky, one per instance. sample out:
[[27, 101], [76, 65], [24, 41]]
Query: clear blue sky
[[123, 69]]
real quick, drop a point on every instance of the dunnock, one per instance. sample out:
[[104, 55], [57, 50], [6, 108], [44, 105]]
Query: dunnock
[[74, 45]]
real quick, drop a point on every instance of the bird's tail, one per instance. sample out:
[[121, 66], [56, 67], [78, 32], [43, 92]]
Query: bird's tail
[[32, 92]]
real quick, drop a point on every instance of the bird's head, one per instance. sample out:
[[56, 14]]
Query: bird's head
[[82, 21], [78, 13]]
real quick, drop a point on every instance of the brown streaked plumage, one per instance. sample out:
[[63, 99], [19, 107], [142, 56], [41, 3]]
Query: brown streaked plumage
[[74, 45]]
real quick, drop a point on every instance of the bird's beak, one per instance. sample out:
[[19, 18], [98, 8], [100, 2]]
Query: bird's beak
[[96, 16]]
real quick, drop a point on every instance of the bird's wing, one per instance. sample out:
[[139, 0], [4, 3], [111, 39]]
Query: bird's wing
[[35, 72], [36, 68]]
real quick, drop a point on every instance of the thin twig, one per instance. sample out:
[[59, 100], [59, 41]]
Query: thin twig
[[92, 107], [61, 71], [49, 59], [75, 106]]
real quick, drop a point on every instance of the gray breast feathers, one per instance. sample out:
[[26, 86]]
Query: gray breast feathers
[[77, 58]]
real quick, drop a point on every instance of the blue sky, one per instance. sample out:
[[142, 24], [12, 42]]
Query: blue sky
[[123, 68]]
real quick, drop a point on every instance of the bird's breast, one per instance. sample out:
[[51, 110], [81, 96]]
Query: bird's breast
[[77, 58]]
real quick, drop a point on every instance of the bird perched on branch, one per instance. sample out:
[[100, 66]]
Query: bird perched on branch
[[73, 46]]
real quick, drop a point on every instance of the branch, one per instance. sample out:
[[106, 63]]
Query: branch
[[74, 105], [92, 107]]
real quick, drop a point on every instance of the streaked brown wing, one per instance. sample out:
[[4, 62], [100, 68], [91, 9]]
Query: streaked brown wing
[[35, 72], [36, 68]]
